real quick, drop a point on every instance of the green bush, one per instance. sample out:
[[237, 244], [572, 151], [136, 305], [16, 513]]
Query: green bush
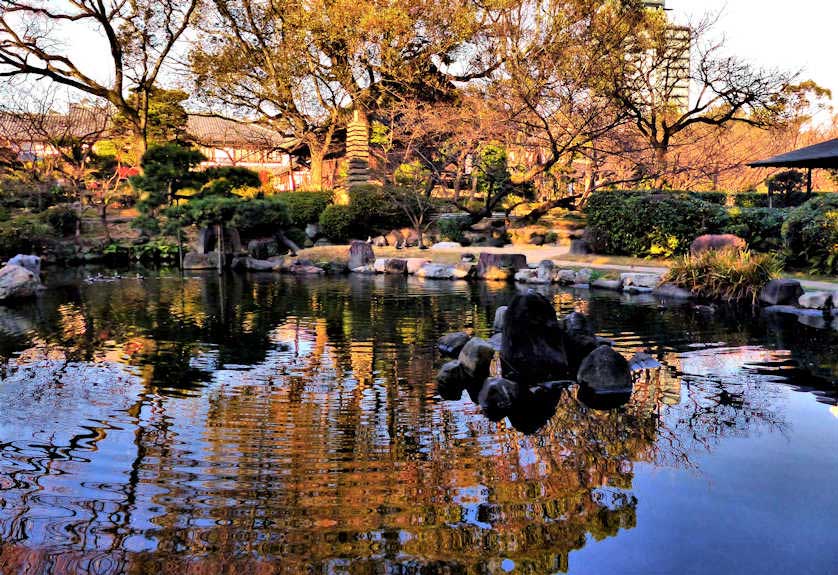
[[810, 235], [62, 219], [305, 207], [649, 225], [260, 217], [373, 209], [760, 227], [218, 187], [238, 176], [297, 236], [452, 228], [27, 234], [718, 198], [336, 222], [759, 200]]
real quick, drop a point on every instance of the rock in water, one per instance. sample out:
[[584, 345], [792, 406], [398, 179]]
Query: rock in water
[[500, 319], [476, 357], [360, 254], [641, 361], [605, 371], [533, 350], [498, 397], [537, 406], [199, 261], [453, 343], [579, 341], [500, 266], [814, 300], [31, 263], [781, 292], [18, 282], [451, 381]]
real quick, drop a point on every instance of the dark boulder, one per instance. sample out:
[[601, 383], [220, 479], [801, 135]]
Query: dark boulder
[[360, 254], [537, 406], [453, 343], [500, 318], [579, 341], [781, 292], [602, 401], [605, 371], [262, 249], [451, 380], [498, 397], [476, 357], [711, 242], [395, 266], [533, 348], [579, 247]]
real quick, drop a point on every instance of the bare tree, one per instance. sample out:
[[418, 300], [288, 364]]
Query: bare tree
[[675, 78], [58, 144], [140, 36]]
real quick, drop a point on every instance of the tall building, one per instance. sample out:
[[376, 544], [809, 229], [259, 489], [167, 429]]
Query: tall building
[[672, 62]]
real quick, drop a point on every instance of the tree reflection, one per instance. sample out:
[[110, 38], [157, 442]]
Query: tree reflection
[[271, 425]]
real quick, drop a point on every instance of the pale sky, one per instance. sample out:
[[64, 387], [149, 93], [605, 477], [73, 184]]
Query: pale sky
[[796, 35]]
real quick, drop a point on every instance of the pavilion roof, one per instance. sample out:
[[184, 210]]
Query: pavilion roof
[[823, 155]]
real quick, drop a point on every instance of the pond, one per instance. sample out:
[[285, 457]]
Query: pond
[[268, 424]]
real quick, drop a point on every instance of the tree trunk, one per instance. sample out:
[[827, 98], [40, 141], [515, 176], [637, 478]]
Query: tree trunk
[[316, 170], [661, 166], [103, 217]]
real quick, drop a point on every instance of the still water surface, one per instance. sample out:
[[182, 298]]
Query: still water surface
[[267, 424]]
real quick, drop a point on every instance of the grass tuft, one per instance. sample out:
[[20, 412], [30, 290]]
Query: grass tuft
[[726, 275]]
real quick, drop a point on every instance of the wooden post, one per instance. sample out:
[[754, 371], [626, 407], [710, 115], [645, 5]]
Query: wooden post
[[809, 183]]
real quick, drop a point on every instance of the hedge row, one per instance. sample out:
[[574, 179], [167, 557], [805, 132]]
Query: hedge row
[[641, 224], [740, 199]]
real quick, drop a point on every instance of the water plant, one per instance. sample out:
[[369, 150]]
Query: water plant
[[726, 275]]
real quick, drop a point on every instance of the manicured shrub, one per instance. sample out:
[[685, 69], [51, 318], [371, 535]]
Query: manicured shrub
[[373, 210], [718, 198], [24, 235], [649, 225], [810, 235], [452, 228], [238, 176], [218, 187], [760, 200], [336, 222], [760, 227], [62, 219], [305, 207], [260, 217], [726, 275]]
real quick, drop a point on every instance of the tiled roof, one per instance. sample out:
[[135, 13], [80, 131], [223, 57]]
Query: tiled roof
[[80, 122], [216, 131]]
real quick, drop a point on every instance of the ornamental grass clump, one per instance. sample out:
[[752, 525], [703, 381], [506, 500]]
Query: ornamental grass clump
[[725, 275]]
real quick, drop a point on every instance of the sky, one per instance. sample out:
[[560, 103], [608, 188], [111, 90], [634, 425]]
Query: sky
[[795, 35]]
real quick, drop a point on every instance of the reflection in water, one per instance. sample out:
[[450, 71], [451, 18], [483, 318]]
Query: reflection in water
[[271, 425]]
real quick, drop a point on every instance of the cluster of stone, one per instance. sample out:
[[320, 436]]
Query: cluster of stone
[[786, 297], [532, 358]]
